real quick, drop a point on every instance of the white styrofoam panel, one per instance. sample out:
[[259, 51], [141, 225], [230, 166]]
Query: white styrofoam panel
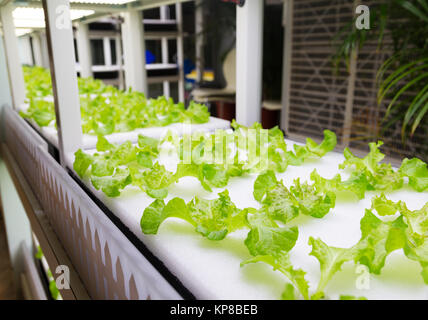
[[211, 270]]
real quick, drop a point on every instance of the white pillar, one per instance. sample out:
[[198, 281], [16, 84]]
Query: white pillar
[[84, 50], [107, 51], [287, 22], [134, 51], [24, 48], [37, 50], [164, 49], [16, 77], [180, 53], [64, 79], [249, 49], [199, 43], [119, 61], [45, 52]]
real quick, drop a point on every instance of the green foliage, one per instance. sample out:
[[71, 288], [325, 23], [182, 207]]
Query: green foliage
[[52, 284], [378, 240], [417, 173], [105, 109], [330, 259], [416, 230], [380, 176], [403, 77], [283, 204], [369, 174], [270, 237], [211, 158], [281, 262], [269, 243], [213, 219]]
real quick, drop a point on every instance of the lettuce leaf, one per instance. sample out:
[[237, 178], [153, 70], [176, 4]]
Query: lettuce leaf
[[283, 204], [417, 172], [267, 238], [112, 185], [213, 219], [357, 183], [384, 206], [82, 162], [416, 247], [281, 262], [279, 158], [416, 231], [331, 260], [380, 176], [269, 243], [378, 240], [311, 201], [105, 109]]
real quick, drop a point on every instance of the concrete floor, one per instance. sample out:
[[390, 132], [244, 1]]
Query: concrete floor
[[7, 289]]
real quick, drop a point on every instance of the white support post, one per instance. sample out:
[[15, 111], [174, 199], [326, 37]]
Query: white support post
[[249, 50], [199, 43], [25, 52], [287, 22], [84, 50], [45, 53], [107, 51], [134, 51], [164, 44], [64, 78], [16, 77], [180, 53], [164, 49], [37, 50], [119, 61]]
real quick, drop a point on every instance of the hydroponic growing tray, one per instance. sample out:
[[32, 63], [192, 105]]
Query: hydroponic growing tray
[[90, 141], [211, 269]]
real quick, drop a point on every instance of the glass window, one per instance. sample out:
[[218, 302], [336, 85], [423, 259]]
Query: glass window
[[75, 50], [97, 52], [113, 51]]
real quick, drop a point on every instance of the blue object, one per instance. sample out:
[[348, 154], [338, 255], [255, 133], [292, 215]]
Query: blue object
[[150, 57], [188, 66]]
